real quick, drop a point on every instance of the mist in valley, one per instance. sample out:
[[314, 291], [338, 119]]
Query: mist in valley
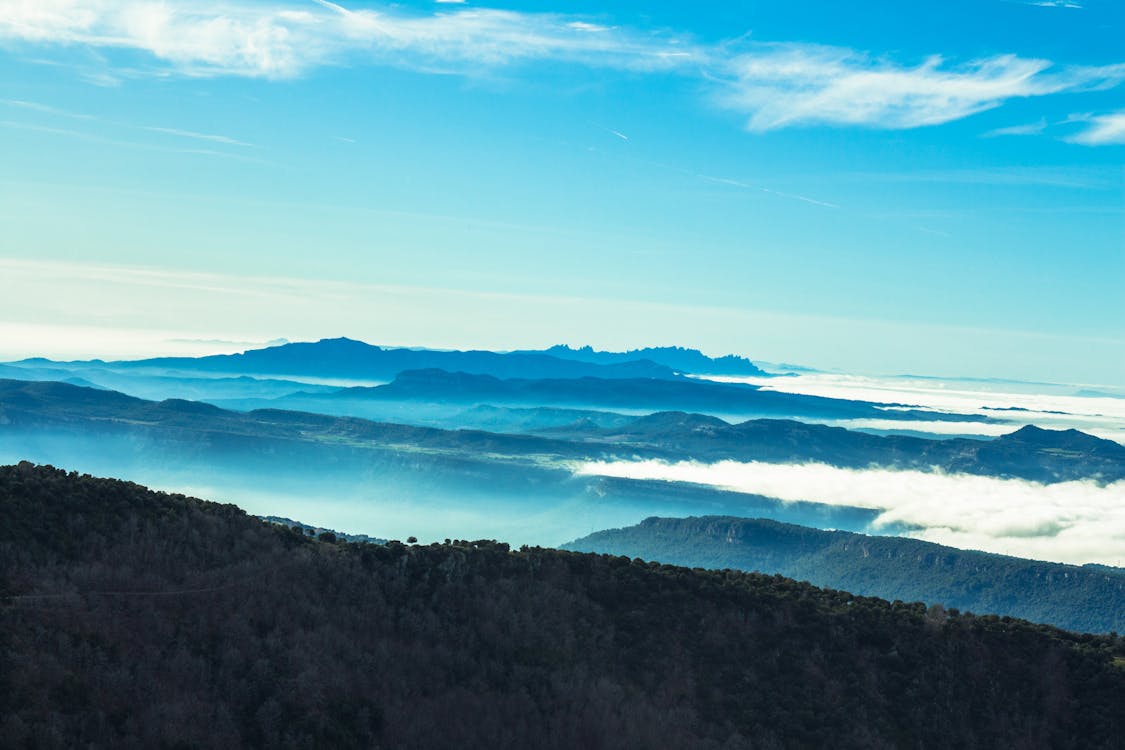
[[1078, 521], [388, 494]]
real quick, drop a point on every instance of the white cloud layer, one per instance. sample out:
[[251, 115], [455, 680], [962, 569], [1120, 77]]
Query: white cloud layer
[[774, 85], [1052, 406], [283, 40], [984, 429], [1075, 522]]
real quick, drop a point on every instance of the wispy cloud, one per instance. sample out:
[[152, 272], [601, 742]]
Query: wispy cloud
[[226, 140], [1098, 130], [773, 85], [94, 138], [771, 191], [1076, 522], [611, 131], [45, 109], [934, 428], [208, 38], [1055, 4], [587, 26], [1101, 130], [1031, 128], [53, 131], [1076, 177], [802, 198], [57, 112], [786, 85]]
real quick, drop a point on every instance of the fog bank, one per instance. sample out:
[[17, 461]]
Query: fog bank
[[1075, 522]]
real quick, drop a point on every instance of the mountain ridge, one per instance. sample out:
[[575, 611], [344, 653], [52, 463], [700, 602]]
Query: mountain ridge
[[1069, 596], [41, 404], [141, 619], [651, 394], [678, 358], [349, 358]]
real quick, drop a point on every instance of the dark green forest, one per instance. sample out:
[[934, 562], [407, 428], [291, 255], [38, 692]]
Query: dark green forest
[[140, 619], [1089, 598]]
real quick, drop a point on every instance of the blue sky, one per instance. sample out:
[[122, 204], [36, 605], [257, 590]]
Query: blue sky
[[871, 186]]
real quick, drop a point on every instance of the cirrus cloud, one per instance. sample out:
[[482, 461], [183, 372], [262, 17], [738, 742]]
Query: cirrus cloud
[[773, 85], [1101, 130], [786, 85], [281, 40]]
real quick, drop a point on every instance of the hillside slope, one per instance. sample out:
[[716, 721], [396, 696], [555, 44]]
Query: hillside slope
[[137, 619], [1079, 598]]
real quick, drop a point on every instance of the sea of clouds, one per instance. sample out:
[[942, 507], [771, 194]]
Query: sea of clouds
[[1076, 522], [1095, 409]]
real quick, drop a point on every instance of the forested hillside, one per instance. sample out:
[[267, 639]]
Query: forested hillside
[[1089, 598], [139, 619]]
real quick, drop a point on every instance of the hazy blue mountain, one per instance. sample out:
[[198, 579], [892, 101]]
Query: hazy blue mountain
[[140, 619], [47, 404], [150, 385], [1028, 453], [648, 394], [37, 369], [537, 419], [347, 358], [450, 416], [84, 383], [1091, 393], [1087, 598], [520, 486], [678, 358], [286, 463]]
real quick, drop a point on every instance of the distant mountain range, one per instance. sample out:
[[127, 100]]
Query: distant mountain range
[[132, 618], [528, 484], [647, 394], [1028, 453], [152, 383], [1087, 598], [524, 481], [678, 358], [347, 358], [47, 404]]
